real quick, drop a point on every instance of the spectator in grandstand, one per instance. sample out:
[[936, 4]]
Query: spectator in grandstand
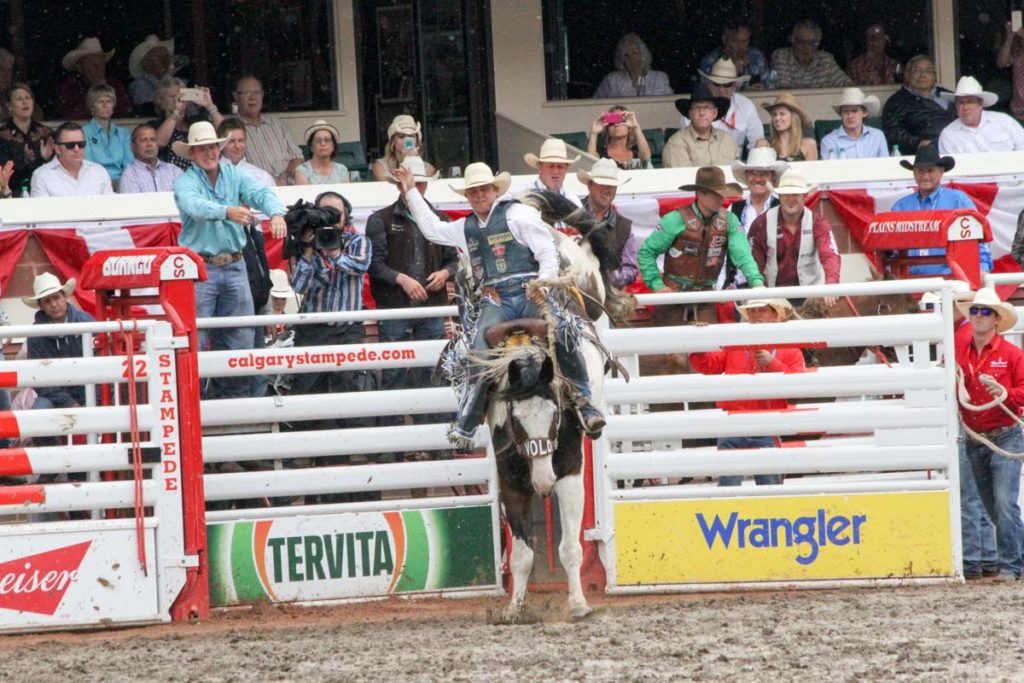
[[633, 76], [748, 61], [552, 163], [852, 139], [174, 121], [874, 67], [928, 168], [740, 120], [87, 65], [149, 63], [213, 199], [700, 143], [790, 125], [993, 370], [235, 148], [23, 140], [147, 173], [616, 134], [916, 114], [321, 169], [975, 129], [759, 173], [603, 182], [406, 271], [404, 140], [69, 173], [752, 362], [106, 143], [6, 79], [1011, 54], [804, 65], [271, 146], [791, 244]]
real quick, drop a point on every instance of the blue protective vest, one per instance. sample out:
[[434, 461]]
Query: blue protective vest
[[494, 251]]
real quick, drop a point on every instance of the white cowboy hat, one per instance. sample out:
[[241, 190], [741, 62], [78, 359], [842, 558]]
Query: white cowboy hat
[[404, 124], [792, 182], [723, 72], [320, 124], [968, 86], [279, 285], [603, 172], [961, 292], [88, 46], [479, 174], [855, 97], [759, 159], [987, 297], [782, 307], [553, 151], [46, 284], [418, 167], [142, 49], [199, 133]]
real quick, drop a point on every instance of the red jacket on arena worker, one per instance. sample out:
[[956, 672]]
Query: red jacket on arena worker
[[1005, 362], [741, 362]]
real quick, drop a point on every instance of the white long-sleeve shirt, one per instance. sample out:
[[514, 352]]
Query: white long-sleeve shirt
[[524, 223]]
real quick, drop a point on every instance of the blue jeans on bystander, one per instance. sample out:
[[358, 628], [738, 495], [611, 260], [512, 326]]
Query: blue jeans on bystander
[[977, 532], [734, 442], [225, 293], [998, 481]]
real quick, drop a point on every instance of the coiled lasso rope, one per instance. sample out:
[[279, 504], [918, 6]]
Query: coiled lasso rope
[[997, 401]]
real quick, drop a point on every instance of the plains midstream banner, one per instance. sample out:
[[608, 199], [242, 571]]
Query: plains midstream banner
[[351, 555], [859, 536]]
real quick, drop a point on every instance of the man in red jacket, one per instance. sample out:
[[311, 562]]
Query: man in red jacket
[[992, 367], [752, 362]]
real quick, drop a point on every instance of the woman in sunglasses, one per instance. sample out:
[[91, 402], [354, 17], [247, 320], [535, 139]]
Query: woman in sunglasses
[[70, 174], [23, 140]]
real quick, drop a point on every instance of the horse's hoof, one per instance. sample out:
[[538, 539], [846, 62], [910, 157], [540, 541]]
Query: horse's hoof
[[581, 612]]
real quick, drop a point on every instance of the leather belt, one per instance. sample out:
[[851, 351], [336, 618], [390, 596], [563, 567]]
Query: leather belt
[[998, 431], [224, 258]]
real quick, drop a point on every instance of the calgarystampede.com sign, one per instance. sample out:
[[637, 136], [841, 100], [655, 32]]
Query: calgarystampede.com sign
[[298, 359]]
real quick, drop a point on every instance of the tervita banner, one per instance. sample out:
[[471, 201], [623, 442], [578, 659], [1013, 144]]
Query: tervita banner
[[351, 555], [862, 536]]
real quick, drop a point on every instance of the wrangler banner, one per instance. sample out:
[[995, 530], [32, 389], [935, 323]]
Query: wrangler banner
[[862, 536], [353, 555]]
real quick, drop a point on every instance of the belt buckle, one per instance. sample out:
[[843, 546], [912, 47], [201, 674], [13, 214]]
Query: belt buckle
[[224, 258]]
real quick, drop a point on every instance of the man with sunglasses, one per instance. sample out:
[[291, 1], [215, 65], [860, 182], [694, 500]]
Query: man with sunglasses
[[992, 368], [69, 173]]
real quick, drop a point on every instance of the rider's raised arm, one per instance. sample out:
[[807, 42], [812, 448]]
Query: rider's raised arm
[[527, 227], [433, 228]]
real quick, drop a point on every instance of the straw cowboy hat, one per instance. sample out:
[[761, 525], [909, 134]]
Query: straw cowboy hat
[[712, 179], [928, 155], [479, 174], [987, 297], [46, 284], [723, 72], [418, 168], [759, 159], [88, 46], [404, 124], [855, 97], [782, 307], [142, 49], [553, 151], [320, 124], [279, 285], [791, 103], [792, 182], [603, 172], [702, 93], [199, 133], [968, 86]]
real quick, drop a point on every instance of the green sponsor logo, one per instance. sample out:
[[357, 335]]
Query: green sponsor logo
[[309, 558]]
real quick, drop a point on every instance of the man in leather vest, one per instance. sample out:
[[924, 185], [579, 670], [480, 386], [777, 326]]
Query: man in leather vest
[[602, 182], [508, 245], [761, 170], [695, 239]]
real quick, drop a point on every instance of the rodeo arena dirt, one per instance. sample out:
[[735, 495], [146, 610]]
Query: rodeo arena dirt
[[151, 534]]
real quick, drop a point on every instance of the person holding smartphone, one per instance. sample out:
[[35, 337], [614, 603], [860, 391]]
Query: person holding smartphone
[[616, 134], [404, 140]]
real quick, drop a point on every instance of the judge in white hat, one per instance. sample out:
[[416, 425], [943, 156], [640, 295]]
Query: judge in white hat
[[87, 65], [852, 139], [552, 164], [977, 129], [150, 60], [740, 119]]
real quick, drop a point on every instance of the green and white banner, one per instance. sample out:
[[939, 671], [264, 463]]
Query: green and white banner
[[353, 555]]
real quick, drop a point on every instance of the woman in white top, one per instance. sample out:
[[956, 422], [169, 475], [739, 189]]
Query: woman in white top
[[321, 168]]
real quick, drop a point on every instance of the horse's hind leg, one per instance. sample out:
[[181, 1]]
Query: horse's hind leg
[[520, 559], [569, 490]]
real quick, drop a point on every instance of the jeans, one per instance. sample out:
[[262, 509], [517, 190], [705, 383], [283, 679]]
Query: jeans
[[734, 442], [5, 405], [225, 293], [977, 533], [998, 481]]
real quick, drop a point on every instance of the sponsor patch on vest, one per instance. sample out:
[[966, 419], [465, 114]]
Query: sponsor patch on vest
[[499, 238]]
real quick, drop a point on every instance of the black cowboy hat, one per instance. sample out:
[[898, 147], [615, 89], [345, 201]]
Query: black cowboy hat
[[928, 155], [702, 93]]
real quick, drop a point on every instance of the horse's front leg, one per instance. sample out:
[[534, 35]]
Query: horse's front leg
[[569, 490], [520, 559]]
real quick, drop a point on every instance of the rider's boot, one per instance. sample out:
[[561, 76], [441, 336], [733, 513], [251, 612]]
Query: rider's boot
[[471, 415], [574, 368]]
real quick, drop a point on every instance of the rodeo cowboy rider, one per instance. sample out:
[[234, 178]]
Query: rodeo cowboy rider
[[508, 245]]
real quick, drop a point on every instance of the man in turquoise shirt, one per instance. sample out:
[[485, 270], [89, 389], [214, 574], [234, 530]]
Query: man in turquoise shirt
[[213, 200]]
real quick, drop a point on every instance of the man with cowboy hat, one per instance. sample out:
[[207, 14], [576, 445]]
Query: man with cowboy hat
[[752, 362], [602, 181], [552, 164], [975, 129], [928, 168], [508, 245], [406, 270], [213, 199], [741, 120], [993, 369], [150, 61], [790, 243], [852, 139], [761, 170], [700, 143], [87, 65]]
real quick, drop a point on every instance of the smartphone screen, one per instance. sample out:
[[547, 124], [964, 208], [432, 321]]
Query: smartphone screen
[[1016, 18], [408, 144]]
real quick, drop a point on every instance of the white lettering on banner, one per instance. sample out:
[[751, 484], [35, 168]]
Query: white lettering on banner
[[168, 424], [302, 358], [179, 267], [25, 582], [965, 228], [899, 227], [129, 265]]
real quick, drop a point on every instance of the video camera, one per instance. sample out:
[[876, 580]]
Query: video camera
[[303, 217]]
